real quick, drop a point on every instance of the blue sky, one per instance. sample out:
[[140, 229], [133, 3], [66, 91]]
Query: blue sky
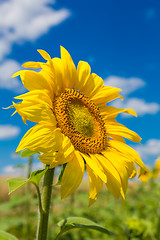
[[119, 39]]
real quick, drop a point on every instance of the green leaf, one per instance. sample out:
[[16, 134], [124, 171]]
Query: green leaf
[[37, 175], [61, 174], [78, 222], [7, 236], [27, 153], [16, 183]]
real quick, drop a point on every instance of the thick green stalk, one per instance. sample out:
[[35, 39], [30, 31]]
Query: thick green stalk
[[45, 205]]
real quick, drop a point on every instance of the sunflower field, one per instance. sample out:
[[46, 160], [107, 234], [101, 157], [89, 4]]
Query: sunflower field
[[138, 217]]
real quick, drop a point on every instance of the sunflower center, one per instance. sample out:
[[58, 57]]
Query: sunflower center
[[80, 120]]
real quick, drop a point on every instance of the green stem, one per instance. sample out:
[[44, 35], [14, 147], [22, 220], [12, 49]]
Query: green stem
[[30, 160], [39, 198], [44, 205]]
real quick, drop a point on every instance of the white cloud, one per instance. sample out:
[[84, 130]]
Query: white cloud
[[140, 106], [127, 85], [5, 47], [8, 132], [12, 170], [7, 68], [150, 149], [26, 20]]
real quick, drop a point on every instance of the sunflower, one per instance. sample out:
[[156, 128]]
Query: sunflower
[[150, 173], [156, 169], [75, 127], [145, 175]]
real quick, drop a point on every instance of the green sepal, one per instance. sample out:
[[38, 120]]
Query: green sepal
[[7, 236], [16, 183], [61, 174], [79, 222], [27, 153]]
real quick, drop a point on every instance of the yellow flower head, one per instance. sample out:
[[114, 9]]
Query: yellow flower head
[[75, 126], [156, 169], [145, 175]]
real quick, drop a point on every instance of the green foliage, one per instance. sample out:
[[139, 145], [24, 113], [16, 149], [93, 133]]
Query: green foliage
[[7, 236], [27, 153], [137, 218], [61, 174], [79, 222], [138, 228], [36, 176], [15, 201], [16, 183], [8, 223]]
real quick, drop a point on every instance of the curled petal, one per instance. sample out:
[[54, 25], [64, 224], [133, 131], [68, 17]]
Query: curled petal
[[41, 138], [71, 179], [120, 130], [95, 185]]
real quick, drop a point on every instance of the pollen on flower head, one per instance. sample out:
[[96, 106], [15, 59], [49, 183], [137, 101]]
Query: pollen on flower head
[[80, 120]]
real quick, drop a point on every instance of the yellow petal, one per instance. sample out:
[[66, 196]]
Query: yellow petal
[[156, 169], [95, 166], [70, 75], [145, 175], [34, 65], [93, 85], [35, 105], [116, 137], [113, 179], [72, 175], [120, 130], [19, 73], [55, 159], [36, 96], [48, 118], [44, 54], [122, 161], [132, 171], [120, 165], [106, 94], [126, 151], [112, 112], [41, 138], [59, 74], [83, 72], [48, 73], [34, 81], [64, 155], [95, 185], [157, 164], [30, 111]]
